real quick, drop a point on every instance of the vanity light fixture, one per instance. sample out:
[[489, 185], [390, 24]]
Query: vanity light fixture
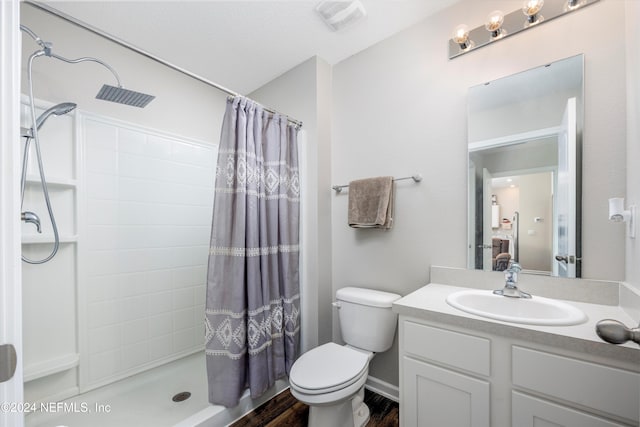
[[499, 25], [494, 24], [617, 213], [531, 8]]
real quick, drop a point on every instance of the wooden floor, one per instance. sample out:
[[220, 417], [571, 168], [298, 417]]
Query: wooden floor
[[285, 411]]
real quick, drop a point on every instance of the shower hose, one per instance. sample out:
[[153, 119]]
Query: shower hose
[[36, 142]]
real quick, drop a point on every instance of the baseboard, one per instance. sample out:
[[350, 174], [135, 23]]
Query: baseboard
[[383, 388]]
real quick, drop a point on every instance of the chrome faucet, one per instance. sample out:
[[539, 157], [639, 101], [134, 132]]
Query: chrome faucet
[[32, 218], [511, 278]]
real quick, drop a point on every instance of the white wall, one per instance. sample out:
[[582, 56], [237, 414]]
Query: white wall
[[400, 109], [147, 202]]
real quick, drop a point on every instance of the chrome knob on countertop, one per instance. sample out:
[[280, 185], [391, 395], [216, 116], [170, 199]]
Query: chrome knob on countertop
[[616, 332]]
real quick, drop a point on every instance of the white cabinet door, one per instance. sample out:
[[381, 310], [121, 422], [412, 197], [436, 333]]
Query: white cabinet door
[[529, 411], [436, 397]]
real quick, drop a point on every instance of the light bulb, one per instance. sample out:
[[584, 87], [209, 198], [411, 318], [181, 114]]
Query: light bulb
[[494, 22], [531, 9], [461, 36], [572, 5]]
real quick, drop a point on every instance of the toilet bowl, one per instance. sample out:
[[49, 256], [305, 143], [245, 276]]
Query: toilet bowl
[[328, 379], [331, 378]]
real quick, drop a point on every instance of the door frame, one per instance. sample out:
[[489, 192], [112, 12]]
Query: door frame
[[10, 265]]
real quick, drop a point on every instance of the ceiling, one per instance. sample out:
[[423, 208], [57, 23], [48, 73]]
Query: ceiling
[[244, 44]]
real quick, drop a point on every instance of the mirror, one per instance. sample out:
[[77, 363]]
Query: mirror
[[524, 191]]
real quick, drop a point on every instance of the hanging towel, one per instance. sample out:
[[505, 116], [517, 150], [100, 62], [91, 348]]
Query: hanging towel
[[371, 202]]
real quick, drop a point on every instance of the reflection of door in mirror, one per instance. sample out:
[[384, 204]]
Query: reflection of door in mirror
[[487, 242], [523, 169], [565, 213]]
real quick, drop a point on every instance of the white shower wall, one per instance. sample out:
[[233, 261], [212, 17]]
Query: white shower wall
[[143, 256], [50, 290], [126, 291]]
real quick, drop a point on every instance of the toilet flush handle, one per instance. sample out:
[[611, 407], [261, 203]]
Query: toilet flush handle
[[336, 304]]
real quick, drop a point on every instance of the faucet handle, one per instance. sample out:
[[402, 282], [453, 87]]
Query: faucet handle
[[511, 274], [514, 267]]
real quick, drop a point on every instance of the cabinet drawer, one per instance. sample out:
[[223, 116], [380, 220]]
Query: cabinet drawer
[[609, 390], [458, 350], [529, 411]]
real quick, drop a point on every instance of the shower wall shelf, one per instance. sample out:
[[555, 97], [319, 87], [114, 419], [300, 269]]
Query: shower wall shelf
[[39, 239], [51, 366], [53, 181]]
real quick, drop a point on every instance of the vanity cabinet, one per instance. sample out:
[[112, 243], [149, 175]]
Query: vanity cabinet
[[442, 397], [454, 377], [444, 386]]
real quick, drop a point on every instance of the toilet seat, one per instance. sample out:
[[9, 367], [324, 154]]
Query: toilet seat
[[328, 368]]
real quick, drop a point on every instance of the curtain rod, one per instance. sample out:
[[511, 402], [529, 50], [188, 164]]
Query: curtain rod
[[127, 45]]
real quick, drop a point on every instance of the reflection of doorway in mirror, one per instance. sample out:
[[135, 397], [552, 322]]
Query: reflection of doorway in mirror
[[530, 194]]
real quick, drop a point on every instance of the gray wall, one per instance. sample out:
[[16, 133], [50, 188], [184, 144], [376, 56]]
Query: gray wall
[[400, 109]]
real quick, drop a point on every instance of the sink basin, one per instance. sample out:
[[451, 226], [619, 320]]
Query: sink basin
[[534, 311]]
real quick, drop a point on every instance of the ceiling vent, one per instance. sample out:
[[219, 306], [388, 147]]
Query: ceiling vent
[[340, 14]]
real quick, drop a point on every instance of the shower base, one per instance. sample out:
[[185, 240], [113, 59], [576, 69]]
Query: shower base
[[142, 400], [146, 400]]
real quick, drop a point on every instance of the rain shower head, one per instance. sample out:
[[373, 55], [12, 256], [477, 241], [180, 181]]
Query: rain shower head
[[124, 96], [57, 110], [116, 94]]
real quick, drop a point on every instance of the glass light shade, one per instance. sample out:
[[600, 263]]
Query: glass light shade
[[494, 21], [573, 4], [461, 34], [532, 7]]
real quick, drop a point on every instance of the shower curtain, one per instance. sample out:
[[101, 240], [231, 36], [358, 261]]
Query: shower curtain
[[252, 324]]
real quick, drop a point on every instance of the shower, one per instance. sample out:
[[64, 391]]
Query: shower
[[117, 94]]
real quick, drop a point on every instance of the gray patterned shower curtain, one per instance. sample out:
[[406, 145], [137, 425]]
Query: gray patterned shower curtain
[[252, 319]]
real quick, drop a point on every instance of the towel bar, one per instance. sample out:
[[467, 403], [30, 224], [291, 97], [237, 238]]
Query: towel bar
[[415, 178]]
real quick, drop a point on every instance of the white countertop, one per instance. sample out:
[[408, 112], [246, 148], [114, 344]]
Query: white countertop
[[429, 303]]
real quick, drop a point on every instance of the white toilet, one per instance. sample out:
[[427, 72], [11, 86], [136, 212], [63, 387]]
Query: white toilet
[[330, 378]]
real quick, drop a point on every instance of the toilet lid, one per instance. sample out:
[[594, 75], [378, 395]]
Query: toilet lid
[[328, 366]]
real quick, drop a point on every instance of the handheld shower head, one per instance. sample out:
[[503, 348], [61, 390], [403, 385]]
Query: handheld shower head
[[57, 110]]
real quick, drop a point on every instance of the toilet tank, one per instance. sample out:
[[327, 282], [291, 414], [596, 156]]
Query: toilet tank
[[366, 318]]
